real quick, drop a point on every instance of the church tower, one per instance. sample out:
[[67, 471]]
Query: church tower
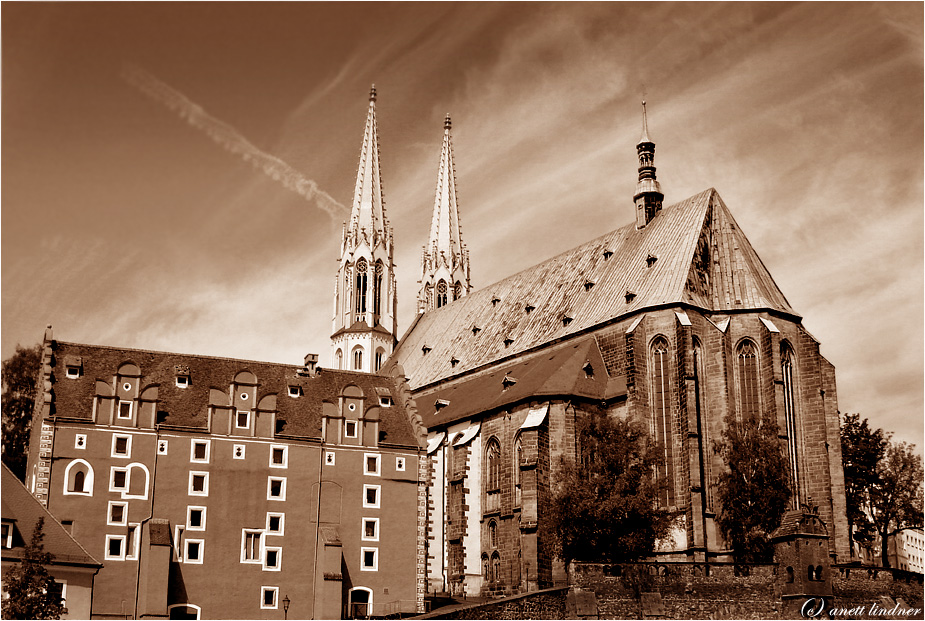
[[648, 197], [445, 259], [364, 298]]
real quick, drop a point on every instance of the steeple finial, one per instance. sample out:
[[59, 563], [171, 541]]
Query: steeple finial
[[645, 125], [372, 93], [648, 197], [447, 123]]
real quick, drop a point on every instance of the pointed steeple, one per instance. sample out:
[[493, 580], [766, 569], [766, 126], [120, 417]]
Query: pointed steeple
[[445, 260], [364, 295], [648, 197]]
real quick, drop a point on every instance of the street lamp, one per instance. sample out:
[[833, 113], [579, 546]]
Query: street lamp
[[286, 607]]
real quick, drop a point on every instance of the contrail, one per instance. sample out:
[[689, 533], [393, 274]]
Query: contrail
[[229, 138]]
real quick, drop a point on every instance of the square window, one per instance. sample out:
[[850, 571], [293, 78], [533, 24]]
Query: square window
[[371, 464], [195, 518], [193, 550], [199, 451], [369, 559], [125, 410], [238, 452], [73, 372], [182, 381], [276, 488], [371, 496], [121, 446], [350, 429], [400, 464], [279, 456], [370, 529], [80, 441], [295, 392], [329, 458], [242, 420], [115, 548], [198, 483], [118, 480], [273, 559], [251, 545], [276, 523], [118, 514], [268, 597], [6, 535], [385, 401]]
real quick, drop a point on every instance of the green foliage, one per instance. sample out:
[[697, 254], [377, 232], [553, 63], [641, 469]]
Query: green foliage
[[861, 449], [33, 593], [604, 508], [754, 491], [896, 496], [20, 373]]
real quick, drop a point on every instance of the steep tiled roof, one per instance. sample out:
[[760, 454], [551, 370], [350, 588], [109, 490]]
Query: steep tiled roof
[[188, 406], [23, 508], [799, 522], [692, 253]]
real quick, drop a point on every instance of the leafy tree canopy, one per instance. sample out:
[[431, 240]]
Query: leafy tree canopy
[[604, 507], [896, 496], [754, 491], [19, 374], [862, 448], [33, 594]]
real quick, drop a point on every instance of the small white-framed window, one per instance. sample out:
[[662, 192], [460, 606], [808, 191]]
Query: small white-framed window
[[121, 445], [78, 478], [59, 587], [272, 558], [242, 419], [127, 386], [369, 559], [131, 542], [162, 447], [400, 464], [371, 463], [276, 523], [6, 535], [117, 514], [194, 551], [115, 548], [188, 611], [80, 441], [329, 458], [279, 456], [370, 529], [276, 488], [268, 597], [385, 401], [199, 451], [350, 428], [251, 545], [118, 479], [239, 451], [182, 381], [195, 518], [295, 392], [72, 372], [198, 483], [125, 410], [371, 496]]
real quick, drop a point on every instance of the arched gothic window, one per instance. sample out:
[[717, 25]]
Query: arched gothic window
[[380, 358], [377, 290], [78, 478], [495, 567], [493, 475], [518, 459], [358, 359], [441, 293], [661, 424], [786, 363], [457, 290], [702, 427], [492, 534], [339, 359], [362, 269], [747, 378]]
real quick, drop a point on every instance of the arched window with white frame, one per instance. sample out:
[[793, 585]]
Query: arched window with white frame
[[78, 478]]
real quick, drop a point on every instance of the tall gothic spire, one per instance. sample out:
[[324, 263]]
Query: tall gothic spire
[[445, 260], [648, 197], [365, 304]]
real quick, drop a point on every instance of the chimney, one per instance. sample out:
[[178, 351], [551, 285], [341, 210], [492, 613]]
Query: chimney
[[311, 365]]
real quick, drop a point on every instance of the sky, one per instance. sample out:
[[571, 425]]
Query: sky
[[131, 223]]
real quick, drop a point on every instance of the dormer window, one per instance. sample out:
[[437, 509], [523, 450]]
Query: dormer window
[[507, 382], [588, 284], [588, 369], [454, 362], [425, 350], [495, 300], [566, 320], [475, 330], [295, 392], [385, 401], [73, 372], [607, 254], [182, 375], [650, 260], [182, 381], [508, 342], [73, 366], [529, 308], [439, 404], [629, 296], [6, 535]]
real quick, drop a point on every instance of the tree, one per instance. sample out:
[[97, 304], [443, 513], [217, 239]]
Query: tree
[[896, 497], [33, 594], [604, 507], [754, 490], [20, 373], [862, 449]]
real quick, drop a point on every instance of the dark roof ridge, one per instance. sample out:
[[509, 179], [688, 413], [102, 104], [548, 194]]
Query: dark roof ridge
[[176, 353]]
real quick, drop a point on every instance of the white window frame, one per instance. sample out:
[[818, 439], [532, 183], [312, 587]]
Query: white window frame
[[356, 428], [279, 558], [285, 449], [237, 415], [366, 504], [282, 523], [131, 409], [234, 451], [202, 551], [282, 495], [162, 446], [195, 607], [377, 472], [258, 555], [192, 451], [63, 584], [115, 503], [77, 441], [178, 531], [330, 458], [121, 556], [132, 555], [400, 464], [375, 566], [385, 402], [182, 381], [8, 537], [263, 599], [128, 446], [112, 475], [363, 536], [88, 479], [205, 486], [295, 392], [72, 372], [189, 515]]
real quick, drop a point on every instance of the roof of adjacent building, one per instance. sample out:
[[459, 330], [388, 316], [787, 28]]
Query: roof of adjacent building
[[188, 407], [797, 522], [21, 507], [692, 253]]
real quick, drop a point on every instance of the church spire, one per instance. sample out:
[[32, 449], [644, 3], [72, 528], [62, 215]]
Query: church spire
[[648, 197], [365, 305], [445, 260]]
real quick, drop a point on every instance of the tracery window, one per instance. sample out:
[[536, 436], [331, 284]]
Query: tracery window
[[702, 427], [361, 280], [441, 293], [493, 475], [518, 459], [492, 534], [661, 422], [747, 379], [377, 289], [786, 363], [457, 290], [358, 359], [495, 567]]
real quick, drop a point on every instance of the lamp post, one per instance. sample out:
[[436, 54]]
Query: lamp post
[[286, 603]]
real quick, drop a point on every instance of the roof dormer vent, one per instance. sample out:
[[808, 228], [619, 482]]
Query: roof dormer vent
[[507, 382], [508, 342], [588, 284], [629, 295], [529, 308], [425, 350], [608, 254], [650, 260], [494, 300], [453, 362], [475, 330], [439, 404]]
